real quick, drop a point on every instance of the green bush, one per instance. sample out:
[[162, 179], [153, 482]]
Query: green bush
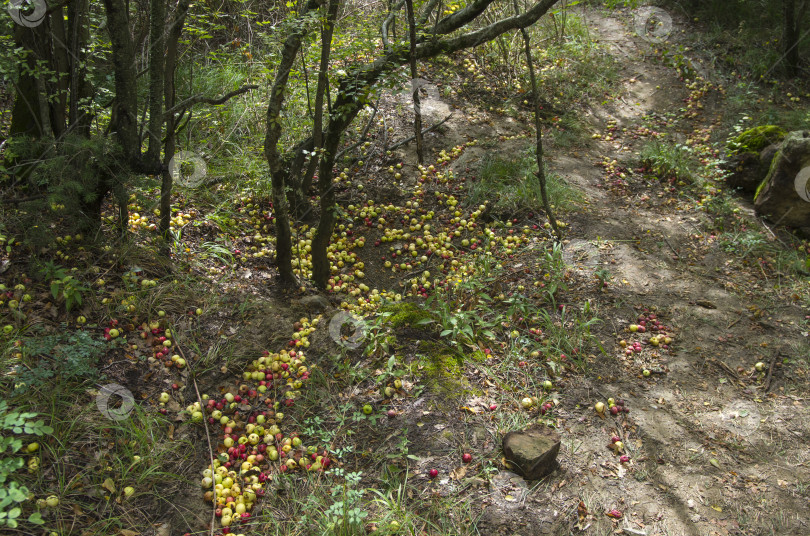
[[12, 494], [70, 357]]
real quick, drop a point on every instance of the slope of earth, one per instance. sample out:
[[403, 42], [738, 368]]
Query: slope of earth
[[321, 423], [713, 444], [717, 446]]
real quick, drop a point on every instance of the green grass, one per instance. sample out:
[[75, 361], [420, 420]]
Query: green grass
[[669, 161], [91, 459], [512, 187]]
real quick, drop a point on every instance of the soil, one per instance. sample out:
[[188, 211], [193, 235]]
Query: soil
[[715, 447]]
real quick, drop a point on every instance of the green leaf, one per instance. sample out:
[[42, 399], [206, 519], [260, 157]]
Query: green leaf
[[36, 518]]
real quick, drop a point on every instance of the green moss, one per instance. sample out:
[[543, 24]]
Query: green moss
[[404, 314], [755, 139], [443, 369], [765, 180]]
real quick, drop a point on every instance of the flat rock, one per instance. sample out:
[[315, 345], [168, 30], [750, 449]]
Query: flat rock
[[533, 452], [315, 303]]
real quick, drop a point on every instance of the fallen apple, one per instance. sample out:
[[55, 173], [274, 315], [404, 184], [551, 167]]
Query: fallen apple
[[434, 473], [466, 457], [599, 407], [367, 409]]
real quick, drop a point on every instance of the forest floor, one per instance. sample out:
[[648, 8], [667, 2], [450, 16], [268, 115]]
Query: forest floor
[[715, 446]]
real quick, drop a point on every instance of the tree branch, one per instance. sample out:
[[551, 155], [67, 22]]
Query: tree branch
[[428, 129], [197, 99]]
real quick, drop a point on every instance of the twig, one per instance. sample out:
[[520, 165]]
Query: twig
[[425, 131], [105, 367], [24, 199], [207, 435], [767, 384], [723, 366], [735, 322], [670, 247]]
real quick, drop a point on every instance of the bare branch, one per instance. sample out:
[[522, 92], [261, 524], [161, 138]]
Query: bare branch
[[197, 99]]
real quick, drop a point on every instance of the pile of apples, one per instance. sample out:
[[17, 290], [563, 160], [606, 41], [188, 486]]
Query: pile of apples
[[251, 420], [661, 336]]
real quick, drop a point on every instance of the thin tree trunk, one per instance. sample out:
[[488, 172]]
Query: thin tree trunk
[[25, 116], [299, 195], [80, 88], [417, 109], [276, 102], [790, 37], [59, 88], [348, 103], [541, 173], [157, 51], [166, 184], [124, 120]]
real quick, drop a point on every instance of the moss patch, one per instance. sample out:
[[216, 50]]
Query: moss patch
[[443, 369], [765, 180], [755, 139], [404, 314]]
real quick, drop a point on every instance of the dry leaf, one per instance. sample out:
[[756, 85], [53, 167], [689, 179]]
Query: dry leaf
[[458, 473], [170, 432], [127, 532], [109, 485]]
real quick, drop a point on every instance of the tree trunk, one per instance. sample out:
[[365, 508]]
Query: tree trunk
[[79, 121], [58, 59], [170, 65], [790, 37], [124, 119], [417, 109], [157, 50], [538, 127], [271, 139], [320, 92]]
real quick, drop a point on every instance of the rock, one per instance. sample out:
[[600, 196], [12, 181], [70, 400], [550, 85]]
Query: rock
[[533, 453], [754, 140], [315, 303], [745, 171], [784, 195], [748, 169]]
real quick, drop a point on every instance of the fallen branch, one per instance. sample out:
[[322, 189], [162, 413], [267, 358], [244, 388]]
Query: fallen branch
[[207, 434], [363, 135], [425, 131], [767, 384], [23, 199]]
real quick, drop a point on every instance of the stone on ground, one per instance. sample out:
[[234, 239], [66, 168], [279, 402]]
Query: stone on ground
[[533, 452], [784, 195]]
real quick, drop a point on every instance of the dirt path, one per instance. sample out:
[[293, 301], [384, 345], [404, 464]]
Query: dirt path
[[713, 451]]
